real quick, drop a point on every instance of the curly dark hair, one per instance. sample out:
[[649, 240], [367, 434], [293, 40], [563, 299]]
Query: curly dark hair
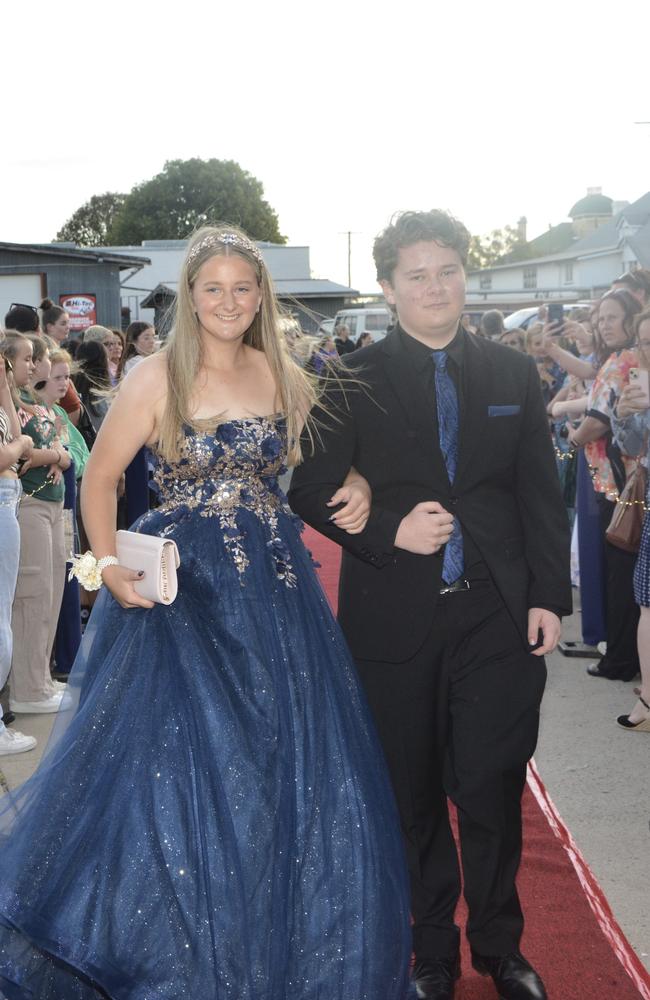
[[407, 228]]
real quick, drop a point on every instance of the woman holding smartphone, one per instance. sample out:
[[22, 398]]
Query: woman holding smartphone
[[631, 426]]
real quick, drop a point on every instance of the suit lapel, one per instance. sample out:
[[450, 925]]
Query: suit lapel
[[413, 402], [477, 378]]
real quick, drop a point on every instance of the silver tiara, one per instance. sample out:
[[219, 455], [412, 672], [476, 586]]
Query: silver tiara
[[225, 239]]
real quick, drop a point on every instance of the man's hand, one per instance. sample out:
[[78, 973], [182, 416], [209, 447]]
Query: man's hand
[[551, 626], [425, 529]]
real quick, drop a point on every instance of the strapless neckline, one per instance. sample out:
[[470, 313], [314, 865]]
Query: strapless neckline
[[269, 417]]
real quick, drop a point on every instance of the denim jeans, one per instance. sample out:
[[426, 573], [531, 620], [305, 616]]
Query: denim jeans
[[10, 491]]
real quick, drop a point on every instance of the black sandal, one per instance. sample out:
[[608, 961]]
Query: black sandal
[[640, 727]]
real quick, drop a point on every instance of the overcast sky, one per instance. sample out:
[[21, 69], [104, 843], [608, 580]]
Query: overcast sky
[[345, 111]]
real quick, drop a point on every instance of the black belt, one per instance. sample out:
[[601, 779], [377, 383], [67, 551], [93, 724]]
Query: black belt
[[455, 587]]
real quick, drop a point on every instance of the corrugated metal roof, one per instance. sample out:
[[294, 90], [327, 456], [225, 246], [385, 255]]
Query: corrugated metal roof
[[306, 287], [70, 250]]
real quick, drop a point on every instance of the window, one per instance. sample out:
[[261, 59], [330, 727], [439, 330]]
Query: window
[[485, 282], [377, 321], [530, 277], [568, 273]]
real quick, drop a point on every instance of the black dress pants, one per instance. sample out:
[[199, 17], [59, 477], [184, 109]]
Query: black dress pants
[[460, 720]]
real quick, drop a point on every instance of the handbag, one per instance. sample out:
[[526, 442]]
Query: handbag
[[625, 527], [86, 429], [159, 559]]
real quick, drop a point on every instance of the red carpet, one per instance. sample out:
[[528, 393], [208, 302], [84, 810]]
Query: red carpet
[[571, 935]]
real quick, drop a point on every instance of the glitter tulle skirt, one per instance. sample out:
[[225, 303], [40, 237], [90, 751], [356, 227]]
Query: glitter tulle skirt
[[212, 818]]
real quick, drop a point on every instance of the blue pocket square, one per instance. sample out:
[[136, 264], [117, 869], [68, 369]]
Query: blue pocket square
[[503, 411]]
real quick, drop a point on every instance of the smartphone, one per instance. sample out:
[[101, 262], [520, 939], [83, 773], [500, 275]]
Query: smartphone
[[555, 314], [640, 377]]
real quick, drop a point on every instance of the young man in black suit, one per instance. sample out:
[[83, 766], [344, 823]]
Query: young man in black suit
[[453, 591]]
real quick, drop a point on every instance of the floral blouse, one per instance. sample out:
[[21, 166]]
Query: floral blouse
[[603, 396]]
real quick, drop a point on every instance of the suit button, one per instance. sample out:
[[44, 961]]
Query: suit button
[[453, 501]]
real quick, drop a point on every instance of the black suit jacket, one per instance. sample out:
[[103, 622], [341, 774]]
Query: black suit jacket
[[506, 492]]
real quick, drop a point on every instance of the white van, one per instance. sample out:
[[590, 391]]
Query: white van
[[374, 321]]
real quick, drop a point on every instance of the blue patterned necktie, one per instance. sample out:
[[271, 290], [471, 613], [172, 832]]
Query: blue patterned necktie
[[447, 405]]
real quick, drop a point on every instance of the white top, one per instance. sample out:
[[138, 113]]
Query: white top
[[132, 362]]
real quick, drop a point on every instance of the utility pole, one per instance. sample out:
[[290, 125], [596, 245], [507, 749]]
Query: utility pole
[[349, 233]]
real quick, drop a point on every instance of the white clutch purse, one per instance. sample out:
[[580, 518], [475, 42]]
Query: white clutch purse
[[159, 559]]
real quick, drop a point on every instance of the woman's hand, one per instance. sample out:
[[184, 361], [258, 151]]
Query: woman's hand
[[26, 447], [54, 474], [356, 496], [576, 332], [551, 332], [119, 581], [64, 461], [633, 400], [571, 434]]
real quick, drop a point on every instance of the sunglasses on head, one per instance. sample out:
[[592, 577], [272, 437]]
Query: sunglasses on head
[[23, 305]]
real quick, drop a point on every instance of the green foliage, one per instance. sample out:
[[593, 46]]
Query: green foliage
[[90, 225], [191, 193], [501, 246]]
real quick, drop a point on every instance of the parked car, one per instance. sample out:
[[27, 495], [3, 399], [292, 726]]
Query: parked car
[[374, 321], [524, 317], [324, 327]]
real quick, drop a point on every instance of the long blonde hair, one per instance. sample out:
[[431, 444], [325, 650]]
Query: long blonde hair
[[297, 389]]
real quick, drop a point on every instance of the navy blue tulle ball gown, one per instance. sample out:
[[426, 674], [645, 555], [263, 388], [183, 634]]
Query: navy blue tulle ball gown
[[212, 819]]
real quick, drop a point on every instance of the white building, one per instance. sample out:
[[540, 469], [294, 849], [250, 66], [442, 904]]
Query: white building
[[148, 292], [601, 243]]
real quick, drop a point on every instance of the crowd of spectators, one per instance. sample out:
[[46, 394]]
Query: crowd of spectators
[[599, 415], [55, 390]]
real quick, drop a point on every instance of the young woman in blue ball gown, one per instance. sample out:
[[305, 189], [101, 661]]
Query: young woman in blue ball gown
[[212, 818]]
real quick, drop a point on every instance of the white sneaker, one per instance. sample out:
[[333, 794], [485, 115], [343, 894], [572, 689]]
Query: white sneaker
[[13, 742], [37, 707], [59, 685]]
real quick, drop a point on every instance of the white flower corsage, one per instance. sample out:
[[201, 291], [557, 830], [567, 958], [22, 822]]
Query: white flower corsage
[[87, 571]]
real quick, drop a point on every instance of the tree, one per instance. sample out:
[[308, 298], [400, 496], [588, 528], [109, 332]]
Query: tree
[[192, 193], [91, 224], [500, 246]]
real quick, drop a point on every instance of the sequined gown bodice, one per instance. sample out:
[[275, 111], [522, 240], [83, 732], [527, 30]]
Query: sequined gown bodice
[[221, 476], [212, 817]]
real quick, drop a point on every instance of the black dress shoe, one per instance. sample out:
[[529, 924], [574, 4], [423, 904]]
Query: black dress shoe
[[435, 978], [514, 977]]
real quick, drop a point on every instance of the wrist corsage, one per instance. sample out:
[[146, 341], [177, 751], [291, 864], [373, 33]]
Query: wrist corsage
[[88, 570]]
